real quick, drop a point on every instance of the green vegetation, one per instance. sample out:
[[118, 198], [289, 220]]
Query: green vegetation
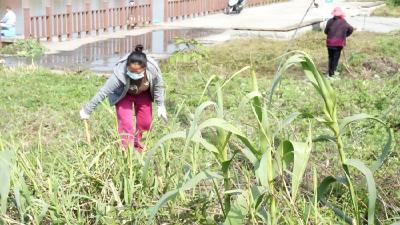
[[391, 9], [387, 11], [24, 48], [393, 2], [228, 155]]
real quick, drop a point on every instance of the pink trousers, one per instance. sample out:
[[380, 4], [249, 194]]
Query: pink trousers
[[143, 110]]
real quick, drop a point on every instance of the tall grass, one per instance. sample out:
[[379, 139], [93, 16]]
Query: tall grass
[[393, 2], [240, 157], [272, 155]]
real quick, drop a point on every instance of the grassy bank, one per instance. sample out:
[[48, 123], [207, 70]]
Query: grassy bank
[[57, 177], [23, 48], [387, 11]]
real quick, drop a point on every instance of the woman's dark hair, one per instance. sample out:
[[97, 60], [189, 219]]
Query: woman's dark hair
[[138, 57]]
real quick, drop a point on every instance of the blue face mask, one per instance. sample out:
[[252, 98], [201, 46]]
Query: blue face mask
[[135, 76]]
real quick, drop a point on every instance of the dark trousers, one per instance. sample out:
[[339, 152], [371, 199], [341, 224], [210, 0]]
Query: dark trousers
[[334, 55]]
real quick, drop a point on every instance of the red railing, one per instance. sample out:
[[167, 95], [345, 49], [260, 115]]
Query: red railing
[[182, 9], [87, 21], [72, 24]]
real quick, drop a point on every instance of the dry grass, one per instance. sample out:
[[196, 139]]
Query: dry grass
[[387, 11]]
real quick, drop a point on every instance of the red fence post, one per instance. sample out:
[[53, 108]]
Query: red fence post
[[113, 18], [27, 21], [43, 26], [173, 9], [49, 27], [181, 13], [143, 14], [69, 21], [135, 13], [195, 8], [88, 18], [201, 7], [97, 22], [185, 8], [176, 8], [122, 14], [79, 15], [59, 27], [106, 16], [150, 9], [165, 11], [146, 12]]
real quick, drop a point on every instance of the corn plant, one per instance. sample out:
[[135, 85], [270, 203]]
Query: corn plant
[[218, 147], [272, 155], [269, 162], [251, 201], [337, 127], [5, 178]]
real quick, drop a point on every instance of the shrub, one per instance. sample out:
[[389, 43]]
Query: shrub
[[393, 2], [24, 48]]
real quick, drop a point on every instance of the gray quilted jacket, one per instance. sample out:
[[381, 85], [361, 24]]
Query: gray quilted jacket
[[116, 87]]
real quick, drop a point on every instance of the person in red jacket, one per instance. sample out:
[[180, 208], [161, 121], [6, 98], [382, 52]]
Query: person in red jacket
[[337, 30]]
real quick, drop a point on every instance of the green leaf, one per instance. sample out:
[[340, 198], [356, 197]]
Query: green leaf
[[246, 200], [388, 146], [324, 187], [321, 85], [351, 119], [151, 152], [239, 210], [5, 179], [286, 153], [293, 60], [322, 138], [250, 152], [286, 122], [371, 187], [386, 151], [222, 124], [21, 194], [262, 170], [339, 213], [234, 75], [249, 97], [301, 153], [256, 100], [201, 108], [207, 145], [206, 87], [202, 176], [196, 119], [226, 164]]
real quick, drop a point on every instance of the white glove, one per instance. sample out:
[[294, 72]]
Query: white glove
[[162, 113], [84, 115]]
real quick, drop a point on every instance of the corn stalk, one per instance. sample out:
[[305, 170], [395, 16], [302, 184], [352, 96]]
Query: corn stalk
[[330, 119]]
